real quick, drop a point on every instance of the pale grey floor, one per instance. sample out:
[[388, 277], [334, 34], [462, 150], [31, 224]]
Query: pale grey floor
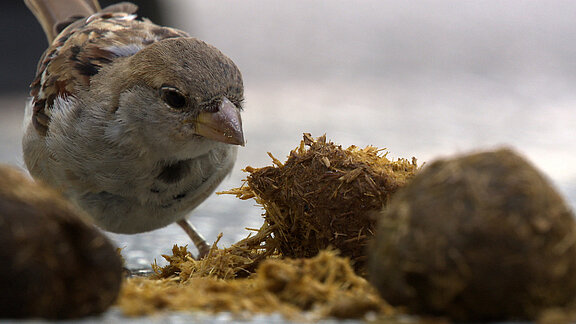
[[429, 79]]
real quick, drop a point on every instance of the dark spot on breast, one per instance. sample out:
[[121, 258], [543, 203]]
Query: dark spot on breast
[[174, 172], [155, 190]]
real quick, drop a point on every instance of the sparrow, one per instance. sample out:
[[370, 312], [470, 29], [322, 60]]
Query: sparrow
[[134, 122]]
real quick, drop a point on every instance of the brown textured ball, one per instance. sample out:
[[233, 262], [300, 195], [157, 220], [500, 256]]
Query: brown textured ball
[[479, 237], [326, 196], [53, 263]]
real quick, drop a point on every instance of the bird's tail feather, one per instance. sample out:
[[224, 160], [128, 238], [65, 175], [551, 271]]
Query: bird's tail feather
[[53, 15]]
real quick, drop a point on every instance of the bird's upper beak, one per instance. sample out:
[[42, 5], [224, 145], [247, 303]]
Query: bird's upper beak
[[223, 125]]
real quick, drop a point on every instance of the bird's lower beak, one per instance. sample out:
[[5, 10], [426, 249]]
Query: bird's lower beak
[[223, 125]]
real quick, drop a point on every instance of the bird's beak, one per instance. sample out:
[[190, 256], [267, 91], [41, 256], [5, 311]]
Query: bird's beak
[[223, 125]]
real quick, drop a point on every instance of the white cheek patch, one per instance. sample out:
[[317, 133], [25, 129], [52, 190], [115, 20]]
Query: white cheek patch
[[124, 50]]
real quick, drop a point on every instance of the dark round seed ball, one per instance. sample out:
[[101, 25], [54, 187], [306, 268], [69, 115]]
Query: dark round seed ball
[[53, 263], [479, 237]]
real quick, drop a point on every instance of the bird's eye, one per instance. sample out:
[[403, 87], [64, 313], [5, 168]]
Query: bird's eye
[[173, 97]]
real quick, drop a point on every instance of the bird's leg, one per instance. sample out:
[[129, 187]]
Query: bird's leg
[[199, 241]]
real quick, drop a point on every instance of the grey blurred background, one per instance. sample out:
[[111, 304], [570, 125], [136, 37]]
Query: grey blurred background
[[427, 79]]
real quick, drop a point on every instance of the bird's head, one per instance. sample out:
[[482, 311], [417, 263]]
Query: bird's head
[[181, 90]]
